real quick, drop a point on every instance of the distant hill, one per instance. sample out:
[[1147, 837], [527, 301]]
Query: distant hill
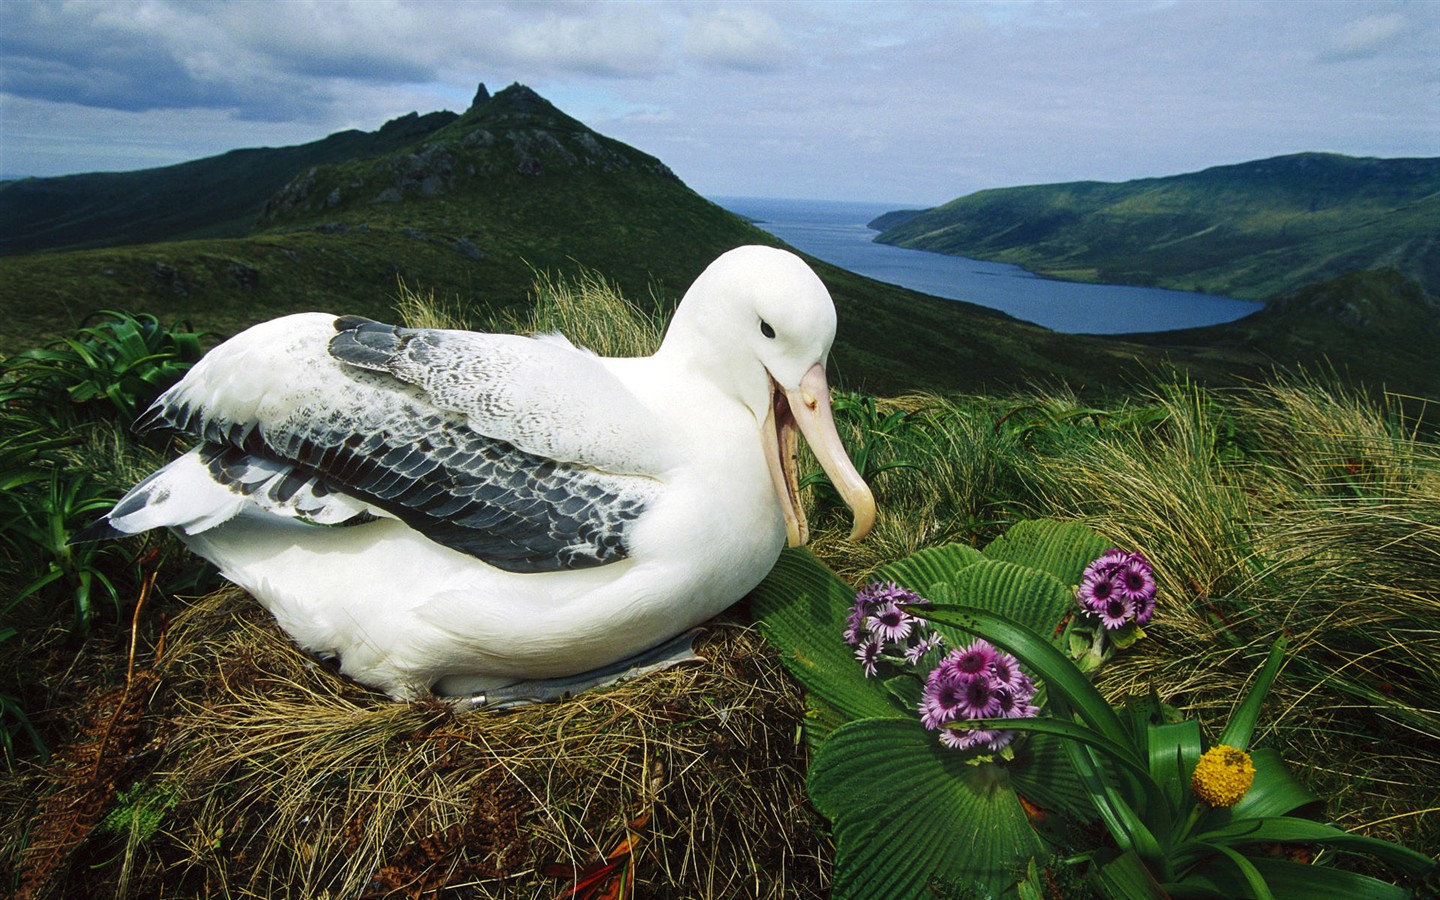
[[220, 196], [1252, 230]]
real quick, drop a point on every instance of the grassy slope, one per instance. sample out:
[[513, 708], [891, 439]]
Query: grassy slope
[[1375, 328], [220, 196], [1250, 230]]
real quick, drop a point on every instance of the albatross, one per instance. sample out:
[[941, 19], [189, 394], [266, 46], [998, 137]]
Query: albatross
[[452, 511]]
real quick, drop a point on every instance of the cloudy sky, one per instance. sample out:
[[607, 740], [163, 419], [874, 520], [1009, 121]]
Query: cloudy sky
[[897, 102]]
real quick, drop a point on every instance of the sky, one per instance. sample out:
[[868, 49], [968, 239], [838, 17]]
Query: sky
[[910, 103]]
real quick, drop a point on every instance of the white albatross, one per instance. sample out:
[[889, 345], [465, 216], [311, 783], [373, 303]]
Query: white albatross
[[455, 511]]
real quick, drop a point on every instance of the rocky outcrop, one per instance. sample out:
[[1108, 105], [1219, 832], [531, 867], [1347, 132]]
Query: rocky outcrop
[[514, 133]]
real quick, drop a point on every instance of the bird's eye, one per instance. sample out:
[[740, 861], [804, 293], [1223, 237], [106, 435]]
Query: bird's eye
[[766, 330]]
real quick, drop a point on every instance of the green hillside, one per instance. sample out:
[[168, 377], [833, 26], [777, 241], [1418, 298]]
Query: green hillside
[[220, 196], [1251, 230], [1376, 328]]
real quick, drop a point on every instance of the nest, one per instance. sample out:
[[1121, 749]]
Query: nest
[[238, 766]]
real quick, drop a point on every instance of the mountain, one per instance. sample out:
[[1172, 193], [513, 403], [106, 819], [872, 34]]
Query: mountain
[[1252, 230], [221, 196], [471, 207]]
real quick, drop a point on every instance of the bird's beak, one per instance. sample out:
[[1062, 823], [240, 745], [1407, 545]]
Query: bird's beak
[[808, 408]]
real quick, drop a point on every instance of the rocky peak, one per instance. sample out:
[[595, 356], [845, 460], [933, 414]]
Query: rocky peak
[[482, 97]]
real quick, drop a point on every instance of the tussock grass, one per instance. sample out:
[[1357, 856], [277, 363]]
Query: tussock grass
[[291, 782], [590, 312], [294, 782]]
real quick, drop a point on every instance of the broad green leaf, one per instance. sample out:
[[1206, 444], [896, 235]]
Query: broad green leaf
[[1063, 549], [1047, 778], [1254, 882], [1034, 599], [1117, 812], [1287, 881], [1174, 750], [1275, 791], [1285, 829], [1242, 721], [1125, 877], [923, 570], [909, 813], [802, 606]]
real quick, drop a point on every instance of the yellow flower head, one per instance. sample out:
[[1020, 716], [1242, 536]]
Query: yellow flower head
[[1223, 775]]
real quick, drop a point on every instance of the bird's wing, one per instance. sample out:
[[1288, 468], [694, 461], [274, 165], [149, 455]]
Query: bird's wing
[[525, 454]]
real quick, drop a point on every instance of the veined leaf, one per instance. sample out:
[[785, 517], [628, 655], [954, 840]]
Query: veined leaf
[[1285, 829], [1031, 598], [802, 606], [1063, 549], [1294, 881], [923, 570], [1126, 876], [909, 813]]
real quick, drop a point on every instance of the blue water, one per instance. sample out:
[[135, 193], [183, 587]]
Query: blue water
[[836, 232]]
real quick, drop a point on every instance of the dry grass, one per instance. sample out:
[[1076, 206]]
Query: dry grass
[[290, 782], [590, 312]]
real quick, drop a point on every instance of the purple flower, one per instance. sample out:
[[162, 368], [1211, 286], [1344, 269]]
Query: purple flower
[[869, 601], [975, 682], [918, 648], [1144, 610], [1005, 671], [1136, 579], [972, 661], [1110, 559], [966, 738], [1017, 705], [942, 700], [890, 623], [869, 653], [1097, 588], [982, 698], [1116, 613], [1118, 587]]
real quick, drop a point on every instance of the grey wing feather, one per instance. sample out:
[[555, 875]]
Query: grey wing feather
[[394, 449]]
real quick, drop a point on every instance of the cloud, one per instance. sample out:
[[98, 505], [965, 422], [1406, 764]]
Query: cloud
[[618, 42], [1364, 38], [745, 39]]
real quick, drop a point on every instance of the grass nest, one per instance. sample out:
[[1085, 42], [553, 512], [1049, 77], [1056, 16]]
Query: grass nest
[[239, 766]]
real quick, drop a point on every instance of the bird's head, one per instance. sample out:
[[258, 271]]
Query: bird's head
[[759, 322]]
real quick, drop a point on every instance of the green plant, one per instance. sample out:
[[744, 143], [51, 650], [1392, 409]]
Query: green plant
[[872, 427], [116, 364], [1140, 771], [912, 816], [13, 718], [937, 817], [37, 531]]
